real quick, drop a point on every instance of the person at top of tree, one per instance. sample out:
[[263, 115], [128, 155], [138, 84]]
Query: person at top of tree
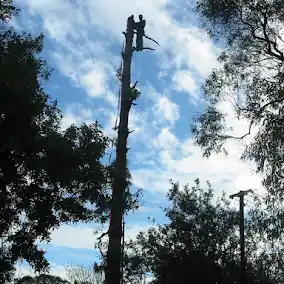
[[140, 32]]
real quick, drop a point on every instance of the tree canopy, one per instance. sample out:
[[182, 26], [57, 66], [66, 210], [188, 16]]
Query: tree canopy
[[7, 10], [47, 176], [250, 77], [79, 274], [200, 243], [41, 279]]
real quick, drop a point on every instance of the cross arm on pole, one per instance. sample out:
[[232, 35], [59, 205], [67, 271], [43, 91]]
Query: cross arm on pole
[[241, 193]]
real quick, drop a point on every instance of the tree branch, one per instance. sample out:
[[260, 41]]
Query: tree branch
[[252, 121], [103, 234], [279, 55], [144, 48], [264, 28], [237, 137]]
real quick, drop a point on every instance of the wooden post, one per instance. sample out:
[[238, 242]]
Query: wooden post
[[241, 195]]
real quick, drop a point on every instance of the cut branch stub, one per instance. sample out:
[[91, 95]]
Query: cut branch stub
[[144, 48]]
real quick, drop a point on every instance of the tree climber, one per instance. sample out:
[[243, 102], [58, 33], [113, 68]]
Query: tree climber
[[140, 33]]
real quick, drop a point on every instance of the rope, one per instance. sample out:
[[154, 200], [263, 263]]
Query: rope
[[118, 106], [121, 70], [118, 103], [122, 249], [119, 91]]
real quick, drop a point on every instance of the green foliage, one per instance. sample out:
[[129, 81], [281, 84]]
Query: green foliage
[[7, 10], [131, 198], [201, 243], [47, 176], [200, 235], [134, 93], [41, 279], [265, 237], [251, 77], [118, 74]]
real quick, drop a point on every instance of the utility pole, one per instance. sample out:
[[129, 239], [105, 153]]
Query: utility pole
[[113, 270], [241, 195]]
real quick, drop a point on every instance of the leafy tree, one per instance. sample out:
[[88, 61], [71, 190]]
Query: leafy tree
[[265, 231], [79, 274], [251, 77], [200, 244], [7, 10], [47, 176], [41, 279]]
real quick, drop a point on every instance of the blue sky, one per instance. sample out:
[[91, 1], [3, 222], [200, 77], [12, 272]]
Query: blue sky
[[83, 44]]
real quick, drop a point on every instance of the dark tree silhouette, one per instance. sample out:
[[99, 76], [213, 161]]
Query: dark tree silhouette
[[47, 176], [200, 244], [251, 77], [41, 279], [7, 10], [79, 274]]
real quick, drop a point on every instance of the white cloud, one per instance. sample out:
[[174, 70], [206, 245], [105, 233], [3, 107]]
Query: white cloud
[[76, 114], [86, 61], [137, 123], [78, 237], [183, 162], [189, 46], [95, 81], [200, 50], [184, 81], [112, 121], [166, 140], [72, 27], [166, 110], [163, 109], [153, 180], [84, 237], [131, 231], [92, 75]]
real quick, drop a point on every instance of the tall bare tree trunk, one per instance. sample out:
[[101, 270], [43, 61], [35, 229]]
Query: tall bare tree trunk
[[114, 254]]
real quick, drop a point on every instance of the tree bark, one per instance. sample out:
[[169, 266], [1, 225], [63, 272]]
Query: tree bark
[[114, 254]]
